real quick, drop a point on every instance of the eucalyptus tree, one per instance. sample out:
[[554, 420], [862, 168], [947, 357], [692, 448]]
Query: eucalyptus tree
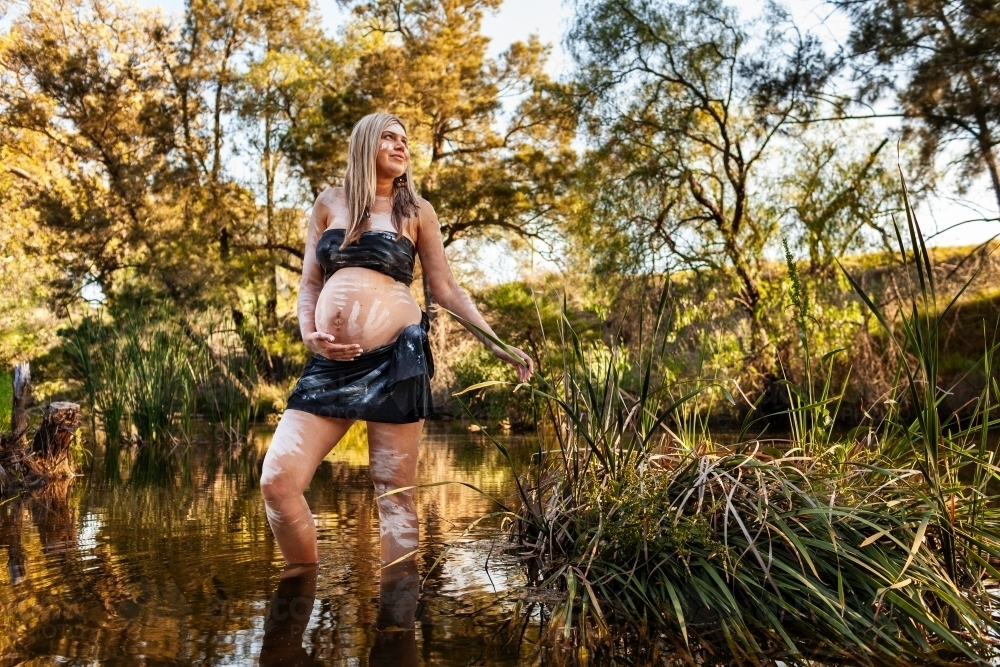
[[135, 124], [941, 59], [82, 83], [838, 188], [279, 80], [684, 105], [27, 268]]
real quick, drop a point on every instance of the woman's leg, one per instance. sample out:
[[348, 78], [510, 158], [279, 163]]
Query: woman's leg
[[300, 442], [392, 462], [395, 637], [287, 618]]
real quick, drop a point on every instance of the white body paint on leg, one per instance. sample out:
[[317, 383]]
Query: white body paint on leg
[[392, 457], [300, 442]]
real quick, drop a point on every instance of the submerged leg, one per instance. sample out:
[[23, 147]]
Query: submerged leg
[[299, 445], [288, 616], [392, 462], [395, 637]]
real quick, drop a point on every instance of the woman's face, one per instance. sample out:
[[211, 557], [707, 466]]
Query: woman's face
[[393, 155]]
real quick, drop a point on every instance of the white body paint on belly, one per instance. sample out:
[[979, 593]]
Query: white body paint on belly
[[364, 307], [377, 320], [352, 323]]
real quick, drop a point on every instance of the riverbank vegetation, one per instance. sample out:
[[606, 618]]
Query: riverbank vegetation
[[875, 546]]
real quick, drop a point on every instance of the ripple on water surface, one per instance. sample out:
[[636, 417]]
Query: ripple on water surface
[[191, 574]]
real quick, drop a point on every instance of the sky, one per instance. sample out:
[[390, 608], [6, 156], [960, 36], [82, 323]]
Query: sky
[[549, 20]]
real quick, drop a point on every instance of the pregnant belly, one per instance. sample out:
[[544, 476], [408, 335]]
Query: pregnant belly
[[364, 307]]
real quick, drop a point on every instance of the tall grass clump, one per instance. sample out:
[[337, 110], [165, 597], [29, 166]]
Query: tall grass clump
[[150, 377], [95, 353], [877, 548], [813, 406], [228, 381]]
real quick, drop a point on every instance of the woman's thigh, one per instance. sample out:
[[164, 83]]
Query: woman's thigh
[[392, 453], [300, 442]]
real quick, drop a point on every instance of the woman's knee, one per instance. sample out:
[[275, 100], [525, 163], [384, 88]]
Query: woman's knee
[[286, 455], [391, 470], [277, 484], [277, 477]]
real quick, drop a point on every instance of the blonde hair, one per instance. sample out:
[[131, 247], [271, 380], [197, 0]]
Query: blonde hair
[[360, 179]]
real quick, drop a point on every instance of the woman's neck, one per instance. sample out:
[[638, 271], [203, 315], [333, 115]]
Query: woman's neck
[[383, 188]]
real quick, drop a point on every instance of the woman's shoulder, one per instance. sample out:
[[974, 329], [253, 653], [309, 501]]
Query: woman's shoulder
[[331, 196], [425, 211], [329, 204], [427, 224]]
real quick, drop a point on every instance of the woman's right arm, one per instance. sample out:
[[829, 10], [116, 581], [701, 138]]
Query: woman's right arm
[[310, 286]]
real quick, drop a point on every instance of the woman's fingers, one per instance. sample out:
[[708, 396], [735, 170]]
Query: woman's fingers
[[338, 351], [522, 363], [324, 345], [343, 352]]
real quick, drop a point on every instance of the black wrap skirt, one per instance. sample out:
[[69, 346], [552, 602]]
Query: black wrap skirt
[[390, 383]]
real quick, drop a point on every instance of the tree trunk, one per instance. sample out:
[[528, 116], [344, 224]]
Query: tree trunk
[[984, 136], [11, 536], [22, 394], [270, 164], [990, 158]]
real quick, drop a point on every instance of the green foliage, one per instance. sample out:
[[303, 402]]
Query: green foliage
[[877, 549], [6, 399], [149, 374], [812, 411], [938, 447], [522, 313], [490, 405], [938, 58], [227, 380]]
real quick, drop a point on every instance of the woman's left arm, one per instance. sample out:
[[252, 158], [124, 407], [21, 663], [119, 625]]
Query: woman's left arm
[[447, 292]]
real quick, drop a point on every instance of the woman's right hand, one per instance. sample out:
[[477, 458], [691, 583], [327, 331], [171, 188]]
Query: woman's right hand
[[323, 344]]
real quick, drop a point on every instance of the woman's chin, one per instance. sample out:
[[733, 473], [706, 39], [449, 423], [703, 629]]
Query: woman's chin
[[393, 170]]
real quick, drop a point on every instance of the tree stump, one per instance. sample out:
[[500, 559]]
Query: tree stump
[[54, 438], [48, 458]]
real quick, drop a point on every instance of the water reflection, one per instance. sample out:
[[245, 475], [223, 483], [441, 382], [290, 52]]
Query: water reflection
[[190, 574], [291, 608], [395, 638], [287, 618]]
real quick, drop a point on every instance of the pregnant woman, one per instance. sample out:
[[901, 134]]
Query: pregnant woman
[[372, 360]]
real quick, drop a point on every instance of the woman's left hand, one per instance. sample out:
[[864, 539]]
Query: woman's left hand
[[522, 363]]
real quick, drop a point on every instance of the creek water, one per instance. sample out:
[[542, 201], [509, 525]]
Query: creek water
[[189, 573]]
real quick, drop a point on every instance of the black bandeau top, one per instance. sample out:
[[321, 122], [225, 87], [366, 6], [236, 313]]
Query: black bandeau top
[[376, 249]]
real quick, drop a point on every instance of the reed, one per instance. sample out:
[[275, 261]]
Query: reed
[[229, 381], [880, 547], [149, 377]]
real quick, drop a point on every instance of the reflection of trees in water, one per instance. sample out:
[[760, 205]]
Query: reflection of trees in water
[[11, 524], [178, 573], [122, 588]]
